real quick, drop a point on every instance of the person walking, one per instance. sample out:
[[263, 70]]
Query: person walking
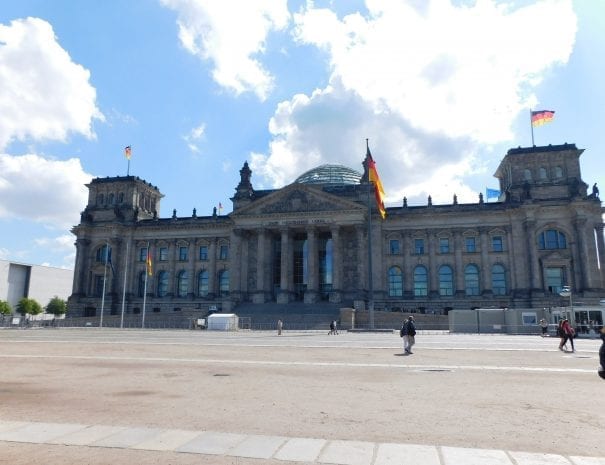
[[408, 332], [332, 328], [280, 325], [568, 334], [561, 334], [544, 326]]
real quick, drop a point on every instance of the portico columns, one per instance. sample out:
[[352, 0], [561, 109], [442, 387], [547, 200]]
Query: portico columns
[[336, 294], [286, 268], [262, 260], [312, 292]]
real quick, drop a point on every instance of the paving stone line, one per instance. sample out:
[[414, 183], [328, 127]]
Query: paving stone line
[[337, 452]]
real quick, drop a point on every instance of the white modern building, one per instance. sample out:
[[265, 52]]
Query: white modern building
[[42, 283]]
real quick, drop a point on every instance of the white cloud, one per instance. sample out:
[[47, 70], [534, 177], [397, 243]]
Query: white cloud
[[61, 245], [50, 192], [43, 93], [231, 33], [195, 135], [431, 87]]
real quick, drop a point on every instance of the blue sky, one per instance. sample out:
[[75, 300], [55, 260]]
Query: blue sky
[[197, 87]]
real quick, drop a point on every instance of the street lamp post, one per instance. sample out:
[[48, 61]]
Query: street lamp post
[[566, 292]]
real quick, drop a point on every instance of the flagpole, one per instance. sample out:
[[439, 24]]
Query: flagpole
[[128, 169], [532, 128], [124, 286], [104, 281], [145, 288], [370, 280]]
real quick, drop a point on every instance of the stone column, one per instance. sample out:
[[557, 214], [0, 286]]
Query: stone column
[[81, 265], [259, 296], [235, 264], [286, 268], [192, 276], [486, 282], [312, 293], [580, 254], [362, 258], [532, 255], [212, 281], [336, 294], [459, 266], [172, 258], [433, 277]]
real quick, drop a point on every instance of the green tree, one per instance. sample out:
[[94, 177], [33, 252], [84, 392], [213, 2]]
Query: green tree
[[30, 306], [5, 308], [56, 306]]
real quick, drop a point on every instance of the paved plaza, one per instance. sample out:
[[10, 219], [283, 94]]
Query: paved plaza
[[101, 396]]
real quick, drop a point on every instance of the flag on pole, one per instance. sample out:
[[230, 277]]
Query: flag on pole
[[378, 189], [109, 262], [148, 263], [491, 193], [128, 152], [220, 208], [540, 117]]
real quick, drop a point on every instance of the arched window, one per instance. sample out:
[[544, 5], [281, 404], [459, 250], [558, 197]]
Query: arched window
[[498, 280], [395, 282], [100, 199], [223, 282], [552, 239], [421, 283], [527, 175], [141, 284], [471, 280], [103, 254], [446, 280], [202, 283], [121, 197], [182, 283], [110, 199], [162, 283], [542, 173], [558, 172]]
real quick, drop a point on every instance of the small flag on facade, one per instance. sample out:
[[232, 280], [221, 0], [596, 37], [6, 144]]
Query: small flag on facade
[[148, 263], [540, 117], [491, 193], [373, 177], [128, 152]]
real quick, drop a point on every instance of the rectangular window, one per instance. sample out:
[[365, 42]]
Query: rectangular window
[[497, 244], [470, 244], [163, 254], [555, 279], [224, 252], [529, 318], [142, 254], [394, 246], [203, 252], [419, 246], [183, 253], [444, 245]]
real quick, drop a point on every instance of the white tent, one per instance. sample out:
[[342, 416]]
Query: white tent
[[223, 322]]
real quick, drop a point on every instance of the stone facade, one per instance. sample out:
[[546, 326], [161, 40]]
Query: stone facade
[[308, 243]]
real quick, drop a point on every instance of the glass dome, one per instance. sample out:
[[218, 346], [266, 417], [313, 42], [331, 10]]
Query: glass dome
[[330, 174]]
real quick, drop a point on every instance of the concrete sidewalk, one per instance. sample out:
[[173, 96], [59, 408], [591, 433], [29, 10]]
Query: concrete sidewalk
[[306, 450]]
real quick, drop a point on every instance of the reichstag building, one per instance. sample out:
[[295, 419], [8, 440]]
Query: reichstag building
[[306, 245]]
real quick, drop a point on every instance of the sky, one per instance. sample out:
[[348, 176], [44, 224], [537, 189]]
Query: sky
[[441, 88]]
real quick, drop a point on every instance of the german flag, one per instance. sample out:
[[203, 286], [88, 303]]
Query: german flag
[[374, 178], [540, 117], [148, 263]]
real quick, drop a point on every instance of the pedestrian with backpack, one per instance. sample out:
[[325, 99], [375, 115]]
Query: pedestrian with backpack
[[408, 333]]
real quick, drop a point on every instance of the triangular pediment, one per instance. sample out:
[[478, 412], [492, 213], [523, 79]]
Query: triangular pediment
[[297, 199]]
